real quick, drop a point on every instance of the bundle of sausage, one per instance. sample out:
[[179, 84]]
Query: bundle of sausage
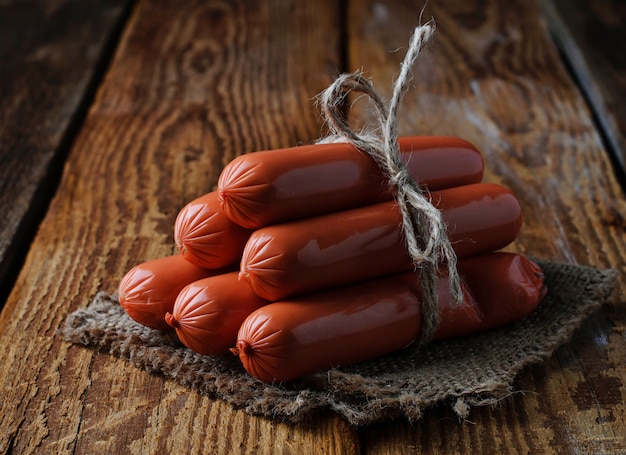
[[297, 262]]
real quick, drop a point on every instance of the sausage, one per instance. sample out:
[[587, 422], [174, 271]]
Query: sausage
[[208, 313], [264, 188], [206, 237], [500, 301], [331, 250], [148, 290], [286, 340]]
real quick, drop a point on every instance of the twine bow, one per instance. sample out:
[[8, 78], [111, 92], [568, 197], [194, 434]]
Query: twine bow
[[422, 224]]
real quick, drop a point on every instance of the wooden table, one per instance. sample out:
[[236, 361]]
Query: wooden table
[[114, 114]]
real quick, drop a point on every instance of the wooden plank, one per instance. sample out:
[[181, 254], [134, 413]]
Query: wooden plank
[[592, 37], [52, 52], [493, 76], [192, 85]]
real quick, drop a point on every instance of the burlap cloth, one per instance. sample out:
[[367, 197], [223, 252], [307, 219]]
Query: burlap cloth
[[468, 371]]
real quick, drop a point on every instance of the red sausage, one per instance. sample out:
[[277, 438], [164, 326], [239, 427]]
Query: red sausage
[[148, 291], [286, 340], [264, 188], [345, 247], [206, 237], [499, 301], [208, 313]]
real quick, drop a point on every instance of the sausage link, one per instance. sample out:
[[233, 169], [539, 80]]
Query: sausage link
[[264, 188], [336, 249], [206, 237], [208, 313], [285, 340], [148, 290], [513, 291]]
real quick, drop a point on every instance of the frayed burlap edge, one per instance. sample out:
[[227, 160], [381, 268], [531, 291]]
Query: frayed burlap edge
[[464, 372]]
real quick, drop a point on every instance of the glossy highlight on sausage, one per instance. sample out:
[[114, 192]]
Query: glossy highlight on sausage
[[336, 249], [264, 188], [206, 237], [148, 290], [208, 313], [286, 340]]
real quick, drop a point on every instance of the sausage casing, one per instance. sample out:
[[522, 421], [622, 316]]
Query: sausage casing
[[206, 237], [263, 188], [289, 339], [332, 250], [208, 313], [148, 290]]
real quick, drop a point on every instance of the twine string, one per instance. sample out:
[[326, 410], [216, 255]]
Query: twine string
[[422, 224]]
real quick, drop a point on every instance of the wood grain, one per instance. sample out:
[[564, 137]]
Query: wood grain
[[195, 83], [592, 38], [192, 85], [493, 76], [52, 53]]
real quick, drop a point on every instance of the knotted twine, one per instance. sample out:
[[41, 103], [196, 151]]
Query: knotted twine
[[422, 224]]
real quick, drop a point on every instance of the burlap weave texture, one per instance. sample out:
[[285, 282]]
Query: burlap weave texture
[[472, 370]]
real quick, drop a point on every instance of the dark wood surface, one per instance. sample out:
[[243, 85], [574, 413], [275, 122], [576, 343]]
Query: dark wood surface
[[52, 54], [592, 37], [191, 85]]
